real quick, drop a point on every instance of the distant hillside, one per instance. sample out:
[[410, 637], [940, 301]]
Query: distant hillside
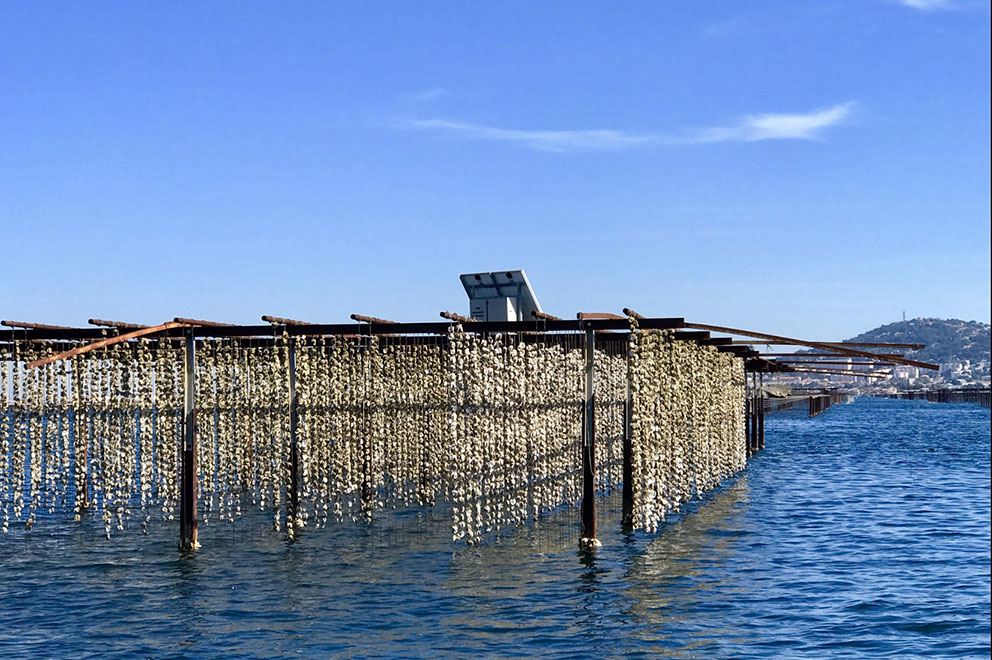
[[947, 340]]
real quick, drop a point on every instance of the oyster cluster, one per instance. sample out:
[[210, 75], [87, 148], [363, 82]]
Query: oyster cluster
[[687, 422], [86, 434], [492, 424]]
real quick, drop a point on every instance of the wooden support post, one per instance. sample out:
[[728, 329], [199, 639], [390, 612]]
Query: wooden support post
[[293, 519], [187, 478], [587, 538], [761, 411], [747, 425], [747, 416], [754, 413], [627, 516]]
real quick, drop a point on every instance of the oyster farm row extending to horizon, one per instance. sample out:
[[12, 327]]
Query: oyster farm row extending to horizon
[[504, 416]]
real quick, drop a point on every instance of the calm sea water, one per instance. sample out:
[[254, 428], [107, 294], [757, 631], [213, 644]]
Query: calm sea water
[[861, 533]]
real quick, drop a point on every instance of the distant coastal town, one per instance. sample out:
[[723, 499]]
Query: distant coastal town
[[961, 348]]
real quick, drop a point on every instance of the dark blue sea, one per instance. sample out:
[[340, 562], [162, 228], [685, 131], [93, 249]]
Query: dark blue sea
[[861, 533]]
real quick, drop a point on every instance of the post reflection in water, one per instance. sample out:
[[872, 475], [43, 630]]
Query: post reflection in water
[[670, 580]]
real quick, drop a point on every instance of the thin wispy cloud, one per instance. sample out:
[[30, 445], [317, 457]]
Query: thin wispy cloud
[[774, 126], [544, 140], [926, 5], [750, 128]]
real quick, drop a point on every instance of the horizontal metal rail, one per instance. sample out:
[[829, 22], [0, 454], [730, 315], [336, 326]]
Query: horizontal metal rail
[[863, 344], [810, 344], [429, 328], [814, 363]]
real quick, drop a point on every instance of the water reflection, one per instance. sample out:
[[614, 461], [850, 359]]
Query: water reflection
[[675, 573], [845, 538]]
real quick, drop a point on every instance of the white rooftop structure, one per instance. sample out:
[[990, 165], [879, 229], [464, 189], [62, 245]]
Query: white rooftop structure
[[500, 296]]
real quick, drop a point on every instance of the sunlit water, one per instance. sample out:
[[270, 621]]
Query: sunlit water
[[863, 532]]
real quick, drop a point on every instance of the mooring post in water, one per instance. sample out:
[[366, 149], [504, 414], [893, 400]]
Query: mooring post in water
[[587, 538], [187, 481], [293, 496], [761, 410], [747, 415], [627, 516], [754, 413]]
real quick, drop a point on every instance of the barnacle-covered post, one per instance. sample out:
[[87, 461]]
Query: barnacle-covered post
[[187, 481], [587, 538], [627, 512], [747, 414], [761, 410], [754, 412], [293, 496]]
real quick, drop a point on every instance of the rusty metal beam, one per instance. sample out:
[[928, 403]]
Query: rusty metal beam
[[440, 328], [109, 341], [280, 320], [208, 324], [588, 316], [835, 362], [120, 325], [34, 326], [810, 344], [361, 318], [544, 316], [841, 372], [451, 316], [835, 343]]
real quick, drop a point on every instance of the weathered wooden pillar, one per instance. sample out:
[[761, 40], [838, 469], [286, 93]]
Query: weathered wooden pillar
[[747, 421], [747, 415], [187, 478], [761, 411], [293, 487], [627, 516], [754, 413], [587, 538]]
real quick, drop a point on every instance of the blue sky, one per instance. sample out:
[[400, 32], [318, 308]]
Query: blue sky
[[811, 169]]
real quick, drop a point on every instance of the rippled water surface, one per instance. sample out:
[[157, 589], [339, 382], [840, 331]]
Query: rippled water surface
[[861, 533]]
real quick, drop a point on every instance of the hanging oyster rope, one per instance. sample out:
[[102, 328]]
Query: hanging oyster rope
[[492, 424], [686, 422]]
